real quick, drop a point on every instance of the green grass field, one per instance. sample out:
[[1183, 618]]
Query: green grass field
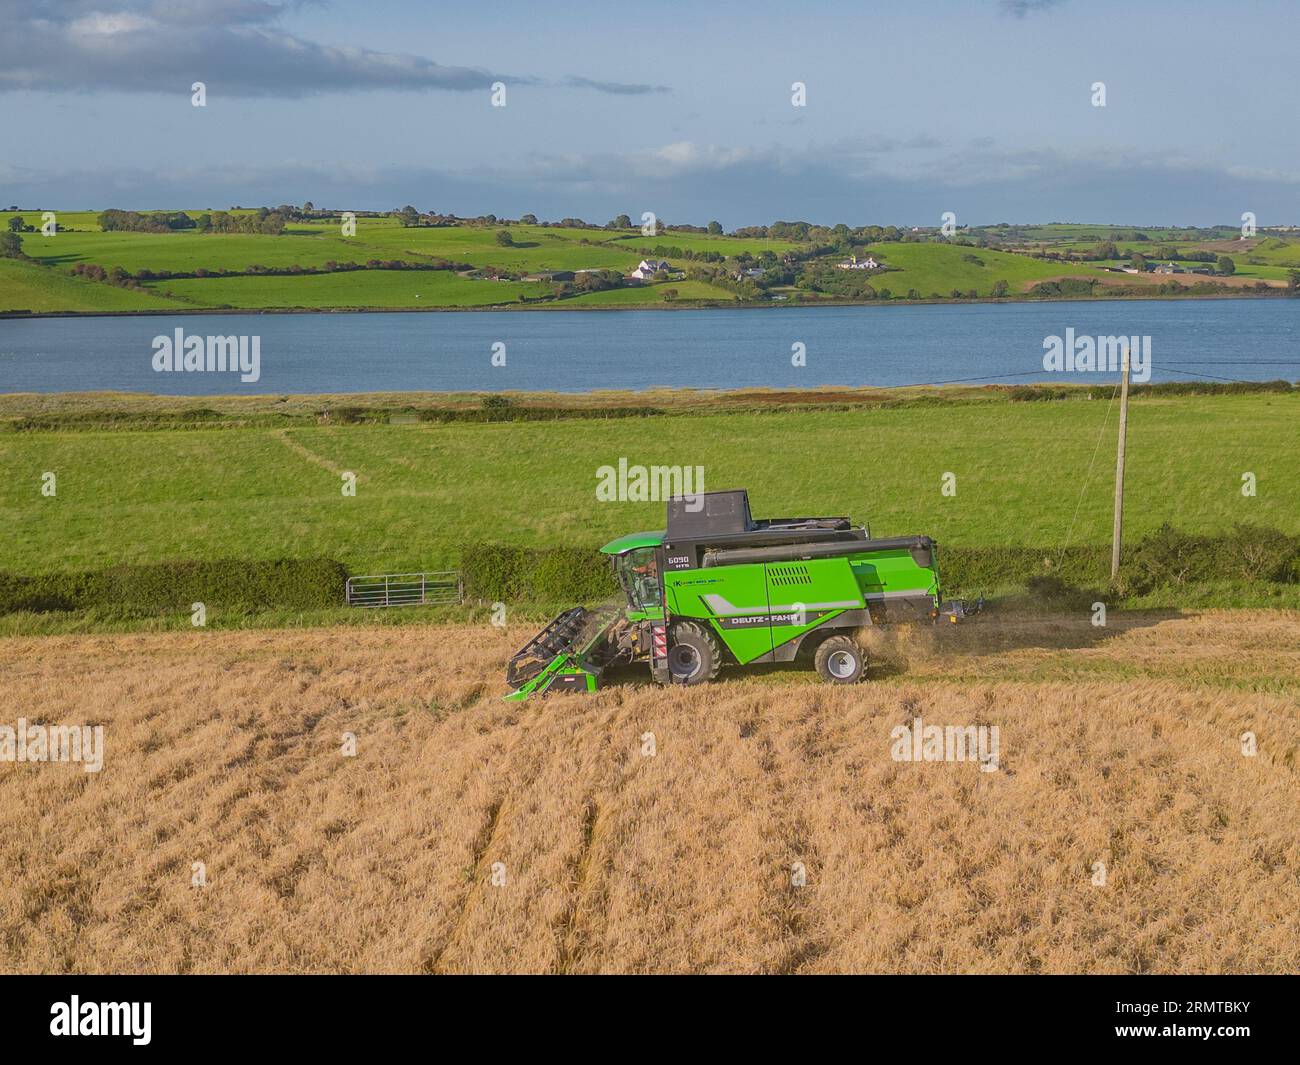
[[368, 288], [644, 295], [1265, 259], [424, 490], [940, 268], [30, 287], [1091, 232]]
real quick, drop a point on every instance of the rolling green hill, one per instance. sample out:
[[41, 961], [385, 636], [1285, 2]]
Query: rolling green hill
[[937, 269], [920, 267], [31, 287]]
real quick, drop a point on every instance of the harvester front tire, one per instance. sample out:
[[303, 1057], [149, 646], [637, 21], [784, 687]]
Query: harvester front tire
[[840, 660], [694, 657]]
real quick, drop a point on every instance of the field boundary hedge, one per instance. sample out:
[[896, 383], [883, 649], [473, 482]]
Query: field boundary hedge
[[1165, 558], [172, 587]]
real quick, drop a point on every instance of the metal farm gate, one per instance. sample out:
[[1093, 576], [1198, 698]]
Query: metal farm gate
[[406, 589]]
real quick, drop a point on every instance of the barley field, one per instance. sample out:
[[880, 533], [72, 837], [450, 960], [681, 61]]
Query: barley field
[[649, 830]]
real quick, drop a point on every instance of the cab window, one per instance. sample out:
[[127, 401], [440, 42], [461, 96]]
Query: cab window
[[638, 572]]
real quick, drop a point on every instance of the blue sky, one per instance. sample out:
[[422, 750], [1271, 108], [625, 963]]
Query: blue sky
[[981, 108]]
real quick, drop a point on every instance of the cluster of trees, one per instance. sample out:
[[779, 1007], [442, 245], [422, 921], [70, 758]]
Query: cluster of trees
[[1067, 286], [830, 280], [17, 225], [724, 277], [673, 251], [309, 213], [623, 221], [1171, 251], [409, 217], [1105, 250], [1198, 288], [807, 232], [114, 220], [263, 220], [591, 281], [114, 275], [1108, 250], [98, 273], [11, 246]]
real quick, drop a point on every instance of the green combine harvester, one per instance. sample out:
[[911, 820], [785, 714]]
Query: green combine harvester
[[719, 588]]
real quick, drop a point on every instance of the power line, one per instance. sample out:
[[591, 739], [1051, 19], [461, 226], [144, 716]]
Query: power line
[[963, 380], [1210, 376], [1032, 373]]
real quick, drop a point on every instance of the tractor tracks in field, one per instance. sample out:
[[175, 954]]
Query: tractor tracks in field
[[571, 936], [568, 934], [481, 849], [599, 795], [792, 908], [304, 452]]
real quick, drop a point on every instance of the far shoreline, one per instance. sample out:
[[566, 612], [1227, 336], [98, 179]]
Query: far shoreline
[[555, 307]]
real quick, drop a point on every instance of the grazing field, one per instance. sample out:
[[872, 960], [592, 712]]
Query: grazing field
[[644, 295], [30, 287], [1124, 830], [355, 289], [1275, 251], [1065, 232], [186, 252], [937, 269], [423, 490]]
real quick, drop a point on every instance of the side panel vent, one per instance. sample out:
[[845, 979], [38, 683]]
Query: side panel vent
[[789, 575]]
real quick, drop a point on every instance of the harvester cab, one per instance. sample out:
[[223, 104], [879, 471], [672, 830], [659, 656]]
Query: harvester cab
[[717, 587]]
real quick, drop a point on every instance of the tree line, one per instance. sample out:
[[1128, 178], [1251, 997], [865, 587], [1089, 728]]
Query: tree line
[[263, 220]]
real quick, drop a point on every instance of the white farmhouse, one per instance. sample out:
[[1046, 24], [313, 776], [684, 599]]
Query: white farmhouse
[[648, 268]]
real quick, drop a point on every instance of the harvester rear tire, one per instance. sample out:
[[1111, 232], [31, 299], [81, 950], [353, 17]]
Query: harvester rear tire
[[694, 657], [840, 660]]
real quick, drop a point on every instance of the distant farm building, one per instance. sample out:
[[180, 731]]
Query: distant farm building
[[854, 263]]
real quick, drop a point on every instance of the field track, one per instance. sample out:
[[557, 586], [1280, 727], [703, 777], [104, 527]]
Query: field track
[[1118, 745]]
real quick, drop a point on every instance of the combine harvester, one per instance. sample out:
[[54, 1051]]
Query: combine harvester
[[719, 588]]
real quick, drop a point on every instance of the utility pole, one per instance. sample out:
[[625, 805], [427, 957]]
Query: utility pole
[[1119, 468]]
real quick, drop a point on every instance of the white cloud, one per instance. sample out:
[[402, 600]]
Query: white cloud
[[236, 46]]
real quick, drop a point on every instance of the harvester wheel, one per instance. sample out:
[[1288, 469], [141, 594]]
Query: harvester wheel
[[694, 656], [840, 660]]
